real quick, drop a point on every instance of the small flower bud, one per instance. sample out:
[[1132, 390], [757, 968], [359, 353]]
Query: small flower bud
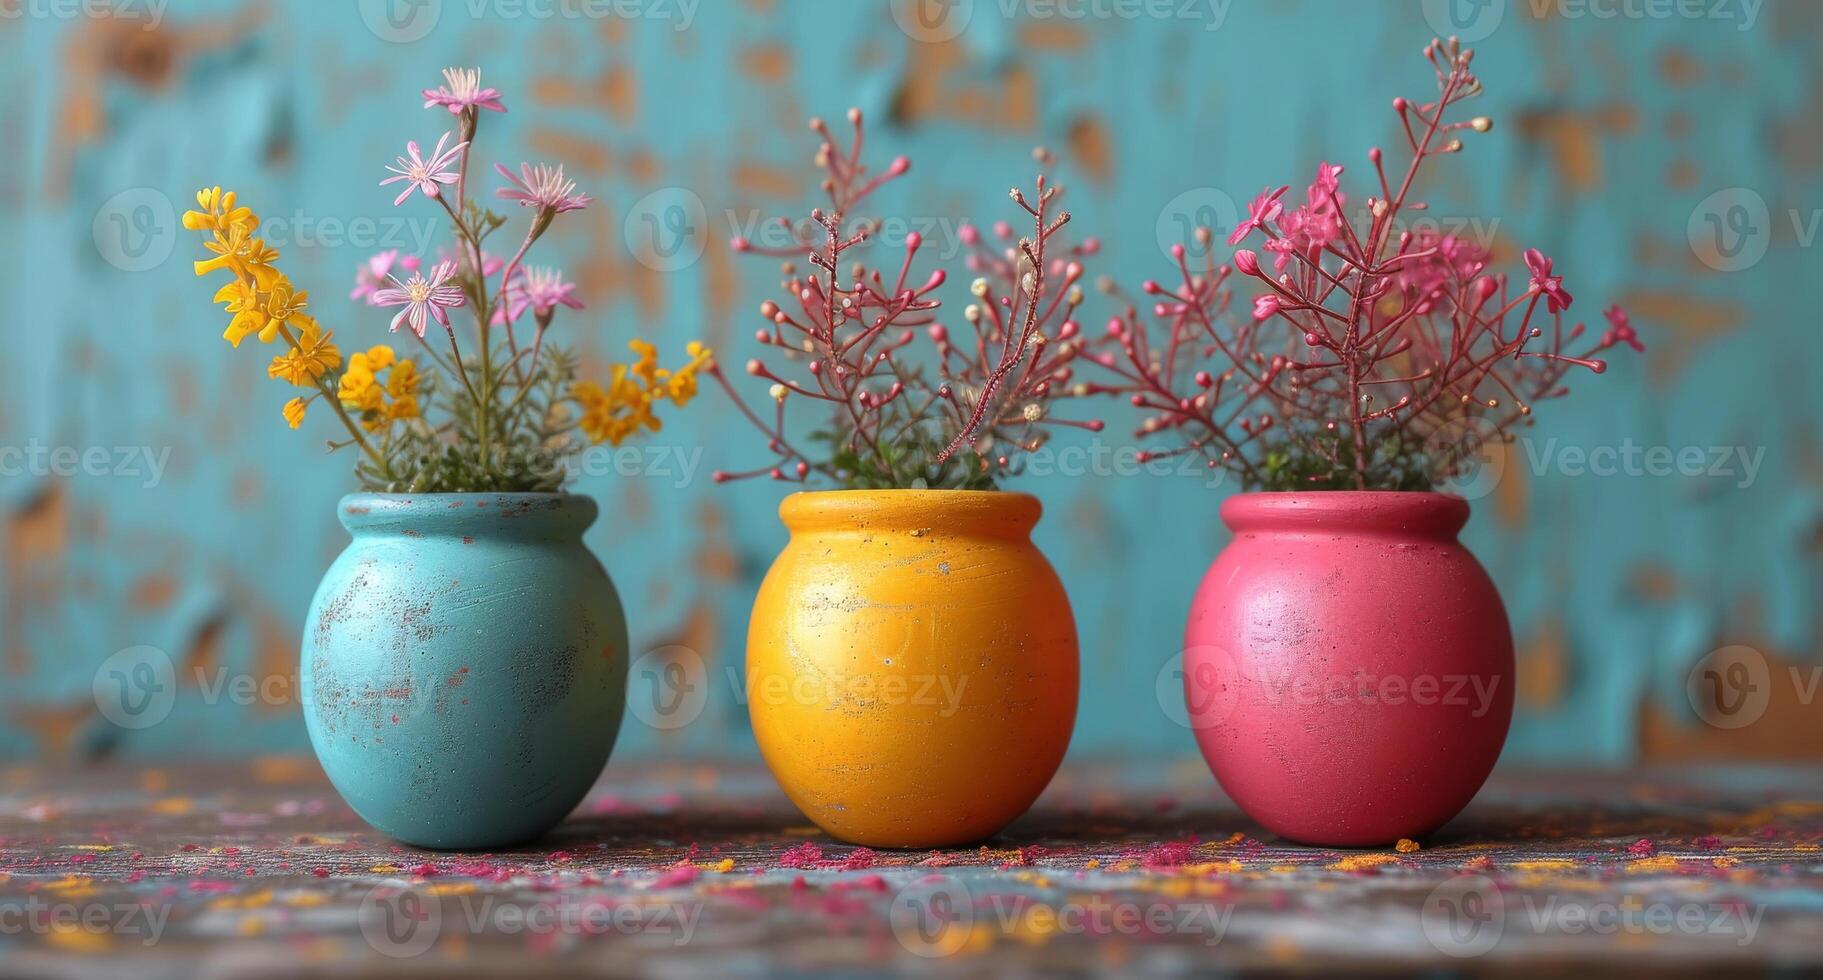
[[778, 392]]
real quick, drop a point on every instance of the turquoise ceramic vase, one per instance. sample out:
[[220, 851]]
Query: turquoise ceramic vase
[[464, 665]]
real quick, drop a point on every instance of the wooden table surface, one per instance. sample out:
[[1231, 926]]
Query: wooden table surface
[[257, 868]]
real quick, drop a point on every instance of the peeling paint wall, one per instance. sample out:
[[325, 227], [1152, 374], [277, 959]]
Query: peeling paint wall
[[1613, 135]]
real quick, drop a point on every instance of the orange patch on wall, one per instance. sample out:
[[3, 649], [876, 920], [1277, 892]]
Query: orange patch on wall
[[275, 662], [1090, 147], [1051, 35], [770, 63], [1789, 729], [153, 592], [1543, 667], [760, 180], [1573, 138], [1692, 321], [616, 89], [37, 543], [578, 153]]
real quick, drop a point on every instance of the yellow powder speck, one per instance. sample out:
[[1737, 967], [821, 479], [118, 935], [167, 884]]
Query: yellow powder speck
[[383, 868], [72, 938], [1406, 845], [1093, 864], [1545, 864], [1663, 862], [725, 865], [1357, 862]]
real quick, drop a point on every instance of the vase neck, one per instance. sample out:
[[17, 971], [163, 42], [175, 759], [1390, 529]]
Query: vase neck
[[983, 513], [556, 516], [1407, 514]]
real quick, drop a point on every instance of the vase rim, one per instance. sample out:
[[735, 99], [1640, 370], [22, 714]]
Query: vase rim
[[468, 514], [1006, 511], [1416, 512]]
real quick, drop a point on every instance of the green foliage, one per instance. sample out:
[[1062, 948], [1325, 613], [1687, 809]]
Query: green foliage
[[528, 457], [906, 462], [1307, 460]]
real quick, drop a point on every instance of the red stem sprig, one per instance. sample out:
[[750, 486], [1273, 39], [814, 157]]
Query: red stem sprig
[[1369, 345]]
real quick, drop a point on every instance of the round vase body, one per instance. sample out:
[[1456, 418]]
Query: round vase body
[[1348, 665], [464, 665], [911, 664]]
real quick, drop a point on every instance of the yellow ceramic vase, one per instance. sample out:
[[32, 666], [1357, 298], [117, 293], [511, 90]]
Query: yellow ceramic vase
[[911, 664]]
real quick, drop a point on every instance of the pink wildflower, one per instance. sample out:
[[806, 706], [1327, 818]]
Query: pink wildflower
[[423, 174], [463, 90], [423, 299], [542, 187]]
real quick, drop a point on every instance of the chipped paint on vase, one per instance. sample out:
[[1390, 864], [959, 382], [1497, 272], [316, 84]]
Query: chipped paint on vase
[[912, 664], [464, 665]]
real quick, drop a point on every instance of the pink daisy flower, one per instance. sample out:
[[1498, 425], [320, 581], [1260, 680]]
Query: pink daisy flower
[[541, 289], [422, 174], [1264, 208], [542, 187], [370, 278], [424, 299], [1557, 298], [462, 89]]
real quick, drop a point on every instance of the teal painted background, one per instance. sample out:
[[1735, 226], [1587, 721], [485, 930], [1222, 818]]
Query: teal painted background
[[1617, 127]]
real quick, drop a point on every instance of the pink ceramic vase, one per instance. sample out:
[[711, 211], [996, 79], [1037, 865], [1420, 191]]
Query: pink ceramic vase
[[1348, 665]]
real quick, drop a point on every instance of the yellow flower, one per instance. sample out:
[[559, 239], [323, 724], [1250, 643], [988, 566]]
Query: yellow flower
[[403, 381], [242, 299], [379, 357], [358, 389], [284, 305], [294, 412], [313, 356], [219, 213], [246, 256], [625, 405], [362, 390]]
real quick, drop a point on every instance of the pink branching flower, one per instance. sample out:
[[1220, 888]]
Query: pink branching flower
[[850, 328], [1264, 209], [1556, 297], [543, 187], [422, 174], [424, 299], [1374, 358], [462, 90]]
